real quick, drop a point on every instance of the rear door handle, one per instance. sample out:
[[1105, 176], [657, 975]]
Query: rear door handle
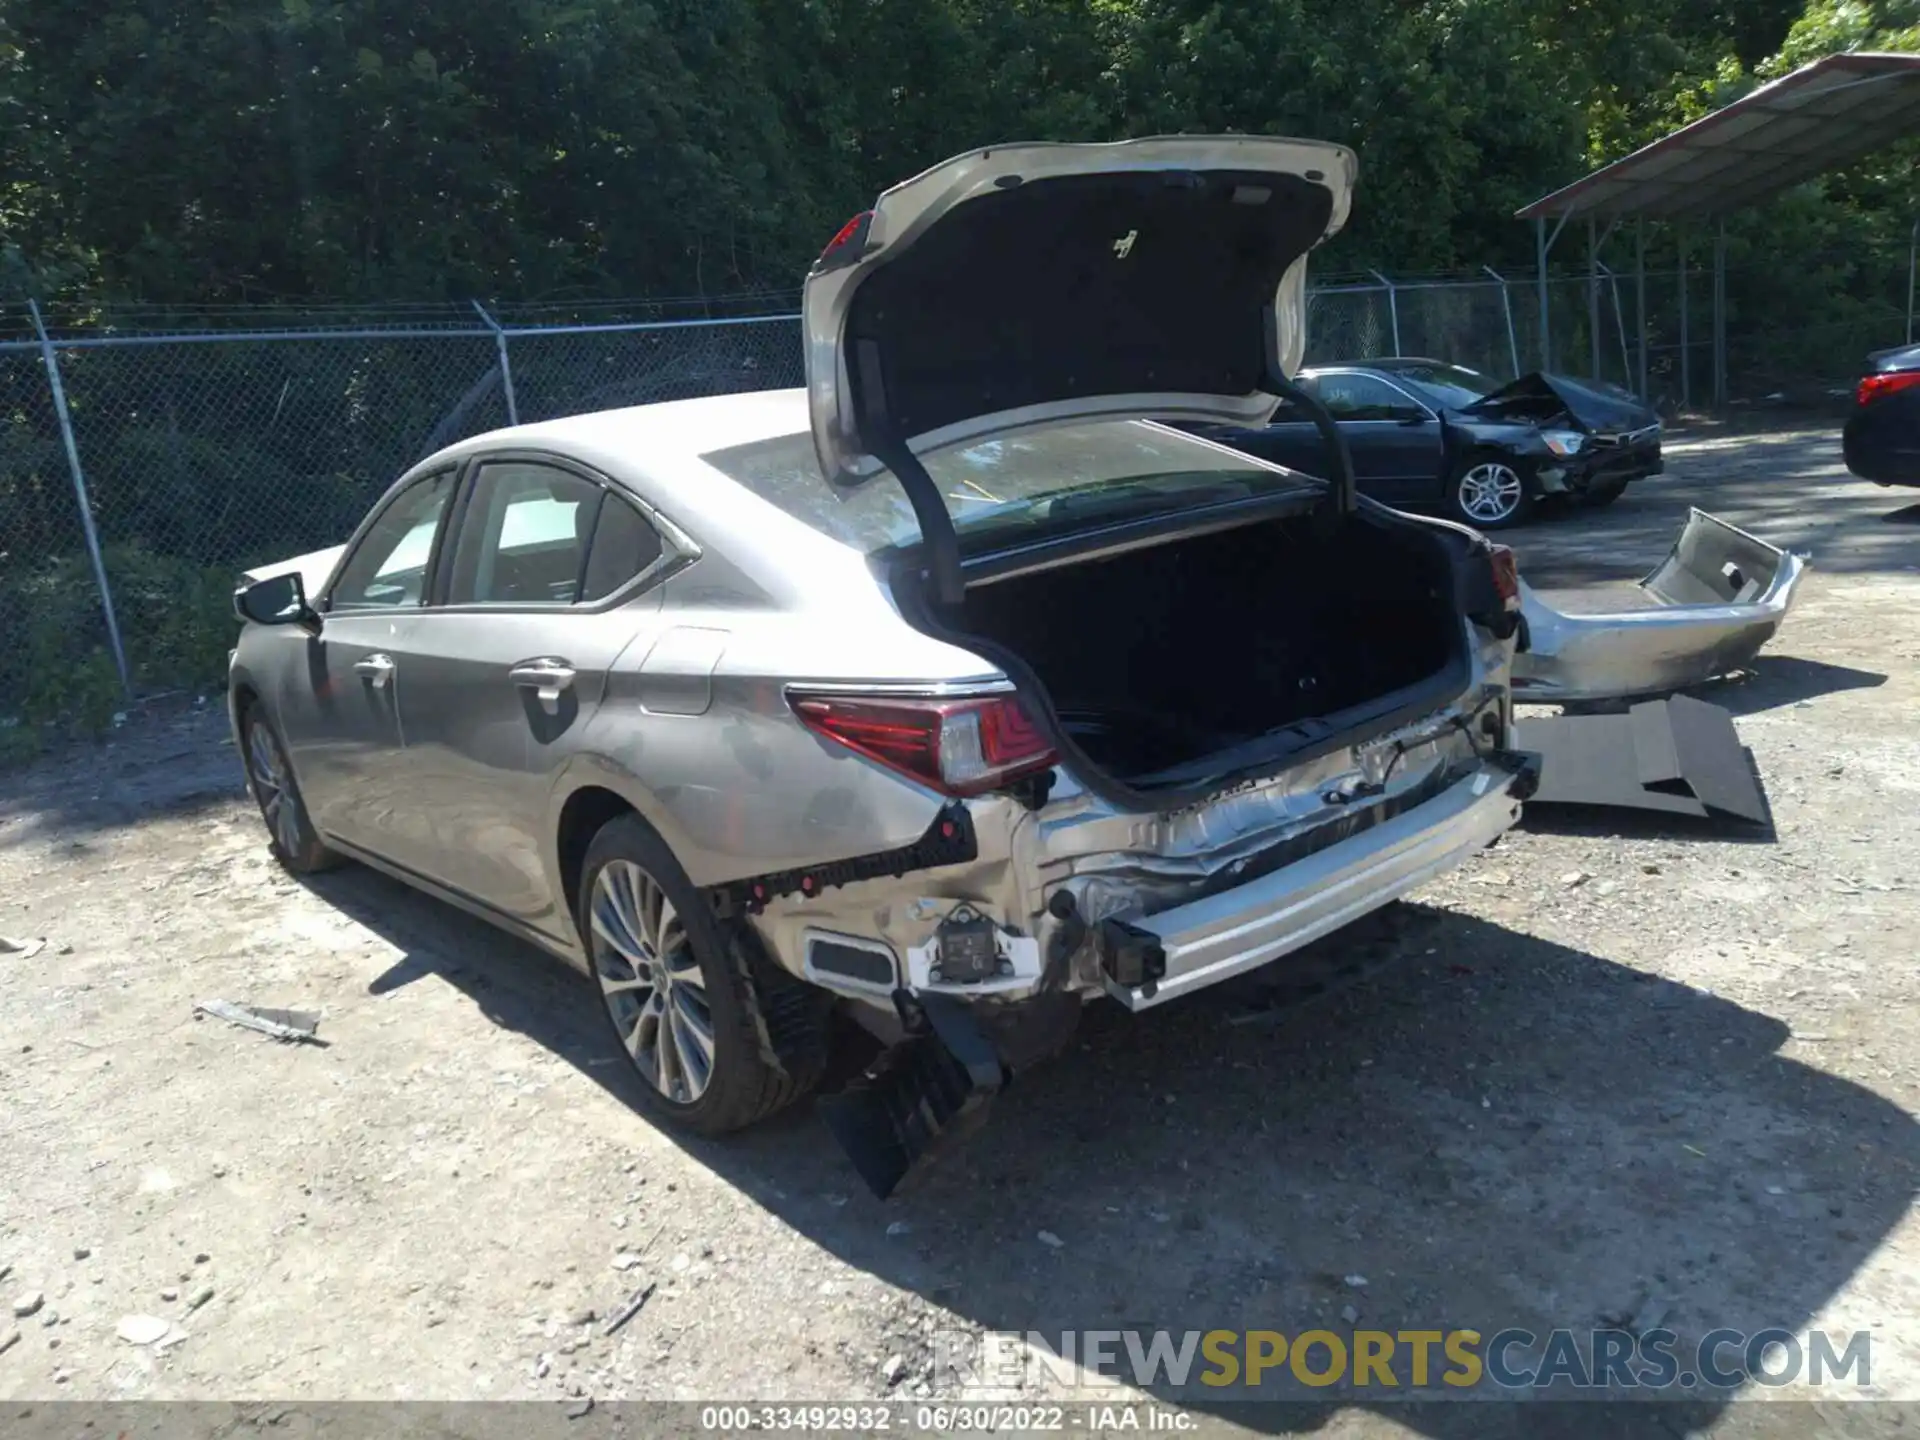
[[376, 668], [547, 677]]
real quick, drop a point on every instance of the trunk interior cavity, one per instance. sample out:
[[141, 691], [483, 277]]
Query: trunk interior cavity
[[1160, 661]]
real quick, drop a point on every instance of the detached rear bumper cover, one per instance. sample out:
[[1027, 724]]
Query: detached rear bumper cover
[[1208, 940], [1715, 600]]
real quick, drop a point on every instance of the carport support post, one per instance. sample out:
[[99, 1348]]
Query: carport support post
[[1913, 245], [506, 370], [1640, 294], [1720, 314], [1593, 293], [1686, 365], [52, 362], [1540, 254]]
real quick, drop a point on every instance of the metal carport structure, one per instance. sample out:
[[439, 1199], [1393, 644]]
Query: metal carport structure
[[1818, 118]]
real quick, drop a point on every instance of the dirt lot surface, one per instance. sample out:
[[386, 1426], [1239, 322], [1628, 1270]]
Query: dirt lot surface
[[1618, 1068]]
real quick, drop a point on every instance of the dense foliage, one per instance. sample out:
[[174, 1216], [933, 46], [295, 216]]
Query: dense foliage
[[290, 149], [186, 153]]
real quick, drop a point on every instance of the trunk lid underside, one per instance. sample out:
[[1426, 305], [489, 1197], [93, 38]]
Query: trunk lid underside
[[1030, 283]]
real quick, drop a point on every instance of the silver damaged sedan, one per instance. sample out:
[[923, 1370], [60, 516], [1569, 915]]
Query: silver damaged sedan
[[946, 694]]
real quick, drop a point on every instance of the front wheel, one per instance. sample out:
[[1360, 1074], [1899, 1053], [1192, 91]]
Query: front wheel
[[719, 1034], [1488, 494], [295, 843]]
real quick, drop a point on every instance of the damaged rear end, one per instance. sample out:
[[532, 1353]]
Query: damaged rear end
[[1226, 708]]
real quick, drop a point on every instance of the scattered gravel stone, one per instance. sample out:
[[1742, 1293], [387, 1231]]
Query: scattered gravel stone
[[27, 1304], [895, 1367], [9, 1339], [899, 1227], [81, 1252], [1349, 1314], [1051, 1240], [169, 1294], [1358, 1282], [1574, 879], [200, 1297]]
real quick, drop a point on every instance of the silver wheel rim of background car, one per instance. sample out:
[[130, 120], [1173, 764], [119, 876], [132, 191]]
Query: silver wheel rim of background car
[[652, 981], [278, 804], [1490, 491]]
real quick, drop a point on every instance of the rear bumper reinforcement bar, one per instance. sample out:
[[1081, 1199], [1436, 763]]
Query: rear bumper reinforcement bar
[[1205, 941]]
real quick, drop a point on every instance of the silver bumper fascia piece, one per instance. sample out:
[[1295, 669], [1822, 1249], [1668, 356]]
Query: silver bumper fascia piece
[[1709, 606], [1209, 940]]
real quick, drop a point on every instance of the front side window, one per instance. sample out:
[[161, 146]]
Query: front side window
[[1363, 397], [1021, 485], [523, 539], [389, 566]]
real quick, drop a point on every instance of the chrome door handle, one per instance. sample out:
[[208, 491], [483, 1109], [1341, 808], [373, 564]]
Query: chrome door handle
[[377, 668], [547, 677]]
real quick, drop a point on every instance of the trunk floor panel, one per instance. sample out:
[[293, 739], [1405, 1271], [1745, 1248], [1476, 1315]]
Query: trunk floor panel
[[1220, 639]]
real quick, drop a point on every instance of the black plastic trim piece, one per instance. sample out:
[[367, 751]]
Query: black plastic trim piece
[[939, 541], [950, 840]]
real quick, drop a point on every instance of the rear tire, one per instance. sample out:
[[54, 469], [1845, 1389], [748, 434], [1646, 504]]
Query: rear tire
[[719, 1034], [290, 833], [1489, 492]]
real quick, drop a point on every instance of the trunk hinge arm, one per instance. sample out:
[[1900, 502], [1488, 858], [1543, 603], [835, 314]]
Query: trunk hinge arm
[[939, 541], [1341, 498]]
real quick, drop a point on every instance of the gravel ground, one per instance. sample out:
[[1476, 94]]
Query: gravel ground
[[1613, 1066]]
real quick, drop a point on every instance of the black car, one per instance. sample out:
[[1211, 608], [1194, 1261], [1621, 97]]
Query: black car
[[1425, 434], [1882, 436]]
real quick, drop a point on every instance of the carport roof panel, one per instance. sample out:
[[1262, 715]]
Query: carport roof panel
[[1816, 119]]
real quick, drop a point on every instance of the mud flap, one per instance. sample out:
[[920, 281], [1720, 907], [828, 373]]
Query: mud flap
[[924, 1097], [1681, 756]]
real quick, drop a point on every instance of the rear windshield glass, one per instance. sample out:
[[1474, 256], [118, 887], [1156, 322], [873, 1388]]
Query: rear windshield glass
[[1027, 484]]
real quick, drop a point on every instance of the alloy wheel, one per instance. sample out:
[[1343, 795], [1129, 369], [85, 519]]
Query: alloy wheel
[[279, 801], [652, 982], [1490, 492]]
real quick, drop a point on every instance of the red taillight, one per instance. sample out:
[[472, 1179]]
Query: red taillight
[[959, 747], [1506, 575], [846, 246], [1878, 387]]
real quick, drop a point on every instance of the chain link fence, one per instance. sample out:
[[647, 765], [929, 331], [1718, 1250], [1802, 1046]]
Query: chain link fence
[[202, 453]]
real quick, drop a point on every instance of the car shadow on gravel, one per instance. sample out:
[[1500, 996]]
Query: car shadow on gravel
[[1495, 1131]]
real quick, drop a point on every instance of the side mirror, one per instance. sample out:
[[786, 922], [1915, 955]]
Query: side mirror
[[277, 600]]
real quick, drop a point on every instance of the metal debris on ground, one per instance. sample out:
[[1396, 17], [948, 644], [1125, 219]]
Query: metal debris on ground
[[142, 1329], [630, 1309], [285, 1025]]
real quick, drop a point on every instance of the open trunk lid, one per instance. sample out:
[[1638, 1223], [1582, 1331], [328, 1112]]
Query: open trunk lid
[[1026, 284]]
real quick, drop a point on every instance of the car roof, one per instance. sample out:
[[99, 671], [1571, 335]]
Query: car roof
[[680, 428]]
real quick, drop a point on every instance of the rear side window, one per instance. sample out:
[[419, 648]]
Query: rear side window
[[624, 545], [1053, 478]]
